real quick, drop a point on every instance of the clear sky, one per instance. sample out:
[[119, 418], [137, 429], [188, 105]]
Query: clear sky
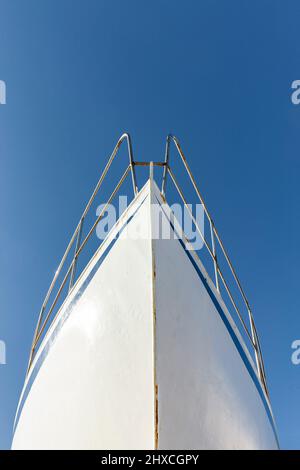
[[217, 74]]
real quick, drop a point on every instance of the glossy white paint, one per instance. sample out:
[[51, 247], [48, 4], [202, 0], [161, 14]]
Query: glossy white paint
[[207, 398], [94, 389], [145, 322]]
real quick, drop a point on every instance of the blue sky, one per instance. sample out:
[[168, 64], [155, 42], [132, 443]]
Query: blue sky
[[217, 74]]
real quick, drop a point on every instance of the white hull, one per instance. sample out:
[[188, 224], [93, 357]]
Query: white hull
[[142, 355]]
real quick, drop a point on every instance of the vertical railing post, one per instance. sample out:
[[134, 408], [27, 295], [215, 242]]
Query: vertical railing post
[[166, 164], [131, 162], [254, 342], [36, 332], [258, 358], [214, 254], [74, 262], [151, 171]]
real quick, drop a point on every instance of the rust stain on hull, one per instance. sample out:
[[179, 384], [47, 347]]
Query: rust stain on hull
[[156, 416]]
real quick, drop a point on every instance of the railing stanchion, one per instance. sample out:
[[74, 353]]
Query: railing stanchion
[[131, 161], [214, 254], [73, 271], [151, 168], [166, 164], [255, 346]]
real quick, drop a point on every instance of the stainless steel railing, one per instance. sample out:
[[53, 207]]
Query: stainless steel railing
[[41, 325], [213, 247], [252, 335]]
